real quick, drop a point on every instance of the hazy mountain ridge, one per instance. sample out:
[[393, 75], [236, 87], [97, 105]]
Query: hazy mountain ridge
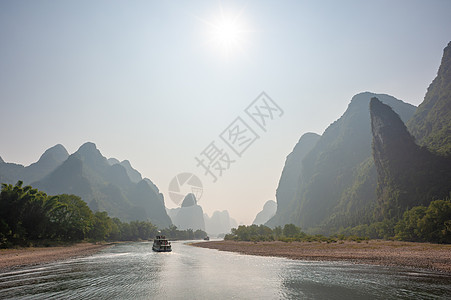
[[347, 180], [330, 185], [291, 178], [268, 211], [191, 216], [53, 157], [105, 187], [339, 171], [219, 223], [410, 175], [134, 175]]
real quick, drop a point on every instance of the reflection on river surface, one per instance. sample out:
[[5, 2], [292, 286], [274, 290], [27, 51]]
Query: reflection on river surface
[[133, 271]]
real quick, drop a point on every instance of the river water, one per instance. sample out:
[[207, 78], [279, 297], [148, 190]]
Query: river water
[[133, 271]]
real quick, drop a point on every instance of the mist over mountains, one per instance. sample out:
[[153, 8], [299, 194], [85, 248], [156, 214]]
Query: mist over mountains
[[219, 223], [112, 186], [382, 157], [367, 168], [52, 158], [106, 185], [268, 211], [191, 216], [329, 180]]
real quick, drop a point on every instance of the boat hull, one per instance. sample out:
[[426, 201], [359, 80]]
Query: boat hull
[[161, 249]]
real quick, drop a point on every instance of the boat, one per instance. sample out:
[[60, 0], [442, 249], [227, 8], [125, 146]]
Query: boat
[[207, 238], [161, 244]]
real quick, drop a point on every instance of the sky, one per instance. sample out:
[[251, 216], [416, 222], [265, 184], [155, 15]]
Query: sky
[[156, 82]]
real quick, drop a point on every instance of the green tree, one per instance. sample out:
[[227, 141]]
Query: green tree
[[71, 218], [23, 214], [277, 231], [102, 227], [433, 226], [407, 229], [290, 230], [200, 234]]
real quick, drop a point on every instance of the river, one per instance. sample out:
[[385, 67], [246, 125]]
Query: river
[[133, 271]]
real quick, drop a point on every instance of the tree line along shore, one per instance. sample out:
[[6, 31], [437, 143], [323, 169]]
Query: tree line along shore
[[291, 242], [29, 217], [426, 256]]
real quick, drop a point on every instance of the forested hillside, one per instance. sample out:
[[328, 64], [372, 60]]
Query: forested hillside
[[106, 187], [368, 175], [431, 124], [29, 217], [332, 184]]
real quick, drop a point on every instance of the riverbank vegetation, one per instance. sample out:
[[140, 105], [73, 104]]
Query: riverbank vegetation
[[31, 217], [419, 224], [430, 223], [288, 233]]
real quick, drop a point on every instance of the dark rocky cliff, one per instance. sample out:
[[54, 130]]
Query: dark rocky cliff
[[408, 175], [333, 184]]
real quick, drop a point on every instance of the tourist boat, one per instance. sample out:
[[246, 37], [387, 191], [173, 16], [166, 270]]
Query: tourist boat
[[161, 244]]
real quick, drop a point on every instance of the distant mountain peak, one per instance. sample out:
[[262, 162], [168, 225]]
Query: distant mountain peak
[[57, 152], [133, 174], [269, 210], [366, 95], [88, 146], [270, 204], [1, 160], [126, 162], [386, 124], [360, 101], [113, 161], [362, 95], [89, 150], [318, 182], [190, 200], [219, 223], [106, 187]]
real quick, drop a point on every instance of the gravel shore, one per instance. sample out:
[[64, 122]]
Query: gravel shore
[[17, 258], [388, 253]]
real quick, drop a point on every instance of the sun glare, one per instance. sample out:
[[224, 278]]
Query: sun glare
[[228, 34]]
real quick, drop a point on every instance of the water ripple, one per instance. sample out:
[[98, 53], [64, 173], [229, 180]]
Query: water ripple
[[133, 271]]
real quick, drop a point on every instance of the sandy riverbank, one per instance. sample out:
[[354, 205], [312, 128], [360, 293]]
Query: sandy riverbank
[[17, 258], [388, 253]]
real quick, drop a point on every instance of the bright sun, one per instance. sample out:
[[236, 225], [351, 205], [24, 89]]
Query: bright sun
[[228, 34]]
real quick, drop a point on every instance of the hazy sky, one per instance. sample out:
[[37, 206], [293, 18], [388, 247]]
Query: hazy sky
[[155, 82]]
